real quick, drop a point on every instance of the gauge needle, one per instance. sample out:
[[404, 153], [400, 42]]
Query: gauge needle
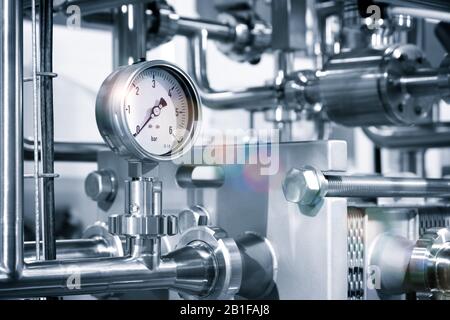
[[155, 111], [177, 139]]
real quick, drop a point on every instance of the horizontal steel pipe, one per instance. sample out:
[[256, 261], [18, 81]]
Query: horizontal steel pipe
[[216, 31], [59, 278], [69, 151], [442, 5], [419, 137], [87, 6], [440, 15], [75, 249]]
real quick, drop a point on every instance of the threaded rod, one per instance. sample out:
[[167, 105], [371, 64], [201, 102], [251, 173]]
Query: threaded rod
[[371, 187]]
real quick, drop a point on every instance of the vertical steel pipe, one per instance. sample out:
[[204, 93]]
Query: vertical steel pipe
[[129, 35], [11, 134], [47, 128]]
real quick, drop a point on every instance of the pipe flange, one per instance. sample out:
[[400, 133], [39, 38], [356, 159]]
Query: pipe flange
[[422, 269], [402, 108], [100, 230], [227, 256], [154, 226]]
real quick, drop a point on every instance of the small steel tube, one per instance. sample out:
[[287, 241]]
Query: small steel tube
[[439, 15], [216, 31], [69, 151], [432, 136]]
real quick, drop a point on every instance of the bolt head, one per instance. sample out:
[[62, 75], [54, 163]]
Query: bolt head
[[100, 185], [303, 186]]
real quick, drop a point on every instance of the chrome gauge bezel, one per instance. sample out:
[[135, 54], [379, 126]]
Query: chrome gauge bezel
[[111, 115]]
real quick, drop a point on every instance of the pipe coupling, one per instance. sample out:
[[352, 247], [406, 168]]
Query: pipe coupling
[[152, 226]]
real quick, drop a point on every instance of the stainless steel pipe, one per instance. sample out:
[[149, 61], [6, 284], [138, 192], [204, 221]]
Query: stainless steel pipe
[[69, 151], [255, 98], [429, 136], [56, 278], [191, 270], [216, 31], [11, 126], [75, 249]]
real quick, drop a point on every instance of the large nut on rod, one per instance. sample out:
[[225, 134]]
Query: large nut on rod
[[429, 267], [227, 258], [305, 186], [152, 226]]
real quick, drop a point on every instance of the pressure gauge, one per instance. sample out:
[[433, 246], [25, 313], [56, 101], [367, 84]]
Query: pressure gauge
[[149, 111]]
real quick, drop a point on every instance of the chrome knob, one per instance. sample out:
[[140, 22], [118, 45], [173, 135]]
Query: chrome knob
[[101, 185]]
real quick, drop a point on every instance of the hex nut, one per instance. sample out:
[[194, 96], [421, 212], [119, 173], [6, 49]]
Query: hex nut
[[304, 186]]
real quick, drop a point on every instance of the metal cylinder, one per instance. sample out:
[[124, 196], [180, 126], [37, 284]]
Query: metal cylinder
[[11, 135], [139, 197], [377, 95]]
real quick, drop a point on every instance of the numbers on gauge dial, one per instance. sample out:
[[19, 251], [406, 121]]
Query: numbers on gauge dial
[[157, 112]]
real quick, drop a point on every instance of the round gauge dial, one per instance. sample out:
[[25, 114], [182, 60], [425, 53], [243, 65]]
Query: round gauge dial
[[157, 112], [149, 111]]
